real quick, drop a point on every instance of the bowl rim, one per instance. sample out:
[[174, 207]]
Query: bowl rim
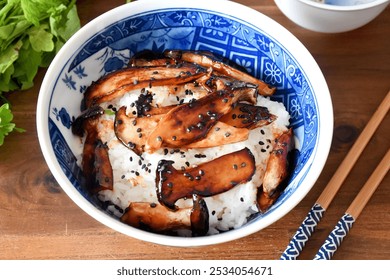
[[232, 9], [351, 8]]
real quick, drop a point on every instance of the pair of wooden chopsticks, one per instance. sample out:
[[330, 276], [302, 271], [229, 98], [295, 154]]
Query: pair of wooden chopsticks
[[315, 214]]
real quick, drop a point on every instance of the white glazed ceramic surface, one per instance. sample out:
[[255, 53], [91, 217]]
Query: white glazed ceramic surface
[[330, 18], [245, 36]]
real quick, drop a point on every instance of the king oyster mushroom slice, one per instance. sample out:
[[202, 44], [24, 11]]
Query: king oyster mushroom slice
[[207, 59], [134, 131], [96, 164], [122, 81], [190, 122], [206, 179], [248, 116], [158, 218], [277, 170]]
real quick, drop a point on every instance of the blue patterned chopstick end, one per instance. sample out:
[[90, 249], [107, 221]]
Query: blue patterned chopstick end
[[303, 233], [335, 238]]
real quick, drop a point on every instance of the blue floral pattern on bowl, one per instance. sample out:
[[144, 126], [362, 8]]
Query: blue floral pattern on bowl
[[248, 46]]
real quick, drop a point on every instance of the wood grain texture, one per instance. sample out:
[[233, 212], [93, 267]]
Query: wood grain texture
[[39, 221]]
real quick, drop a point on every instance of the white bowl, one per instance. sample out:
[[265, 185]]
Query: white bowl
[[247, 37], [330, 18]]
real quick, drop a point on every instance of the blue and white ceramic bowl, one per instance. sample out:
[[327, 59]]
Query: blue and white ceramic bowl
[[245, 36]]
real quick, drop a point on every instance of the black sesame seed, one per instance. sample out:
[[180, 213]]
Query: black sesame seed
[[263, 150], [174, 138], [241, 199], [197, 178], [131, 158], [165, 151], [153, 205], [201, 172], [243, 164], [159, 138], [227, 134], [123, 177], [262, 131], [213, 212], [136, 173], [170, 185], [261, 143], [235, 166], [139, 129]]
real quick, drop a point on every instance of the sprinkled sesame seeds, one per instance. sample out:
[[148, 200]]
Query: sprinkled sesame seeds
[[131, 145]]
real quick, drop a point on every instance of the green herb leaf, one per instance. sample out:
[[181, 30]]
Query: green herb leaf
[[31, 33], [6, 126]]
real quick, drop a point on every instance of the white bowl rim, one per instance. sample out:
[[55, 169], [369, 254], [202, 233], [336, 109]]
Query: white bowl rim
[[351, 8], [229, 8]]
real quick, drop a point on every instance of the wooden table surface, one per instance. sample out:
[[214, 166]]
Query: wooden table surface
[[39, 221]]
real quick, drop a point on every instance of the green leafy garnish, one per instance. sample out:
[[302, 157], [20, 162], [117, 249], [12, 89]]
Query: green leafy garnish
[[31, 33], [6, 125]]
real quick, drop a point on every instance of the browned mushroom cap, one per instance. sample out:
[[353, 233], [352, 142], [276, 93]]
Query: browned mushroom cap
[[150, 58], [157, 218], [78, 126], [199, 216], [276, 171], [119, 82], [248, 116], [191, 122], [207, 60], [207, 179]]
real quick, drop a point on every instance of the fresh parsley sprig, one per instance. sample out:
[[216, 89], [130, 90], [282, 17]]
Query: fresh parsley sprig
[[31, 33]]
